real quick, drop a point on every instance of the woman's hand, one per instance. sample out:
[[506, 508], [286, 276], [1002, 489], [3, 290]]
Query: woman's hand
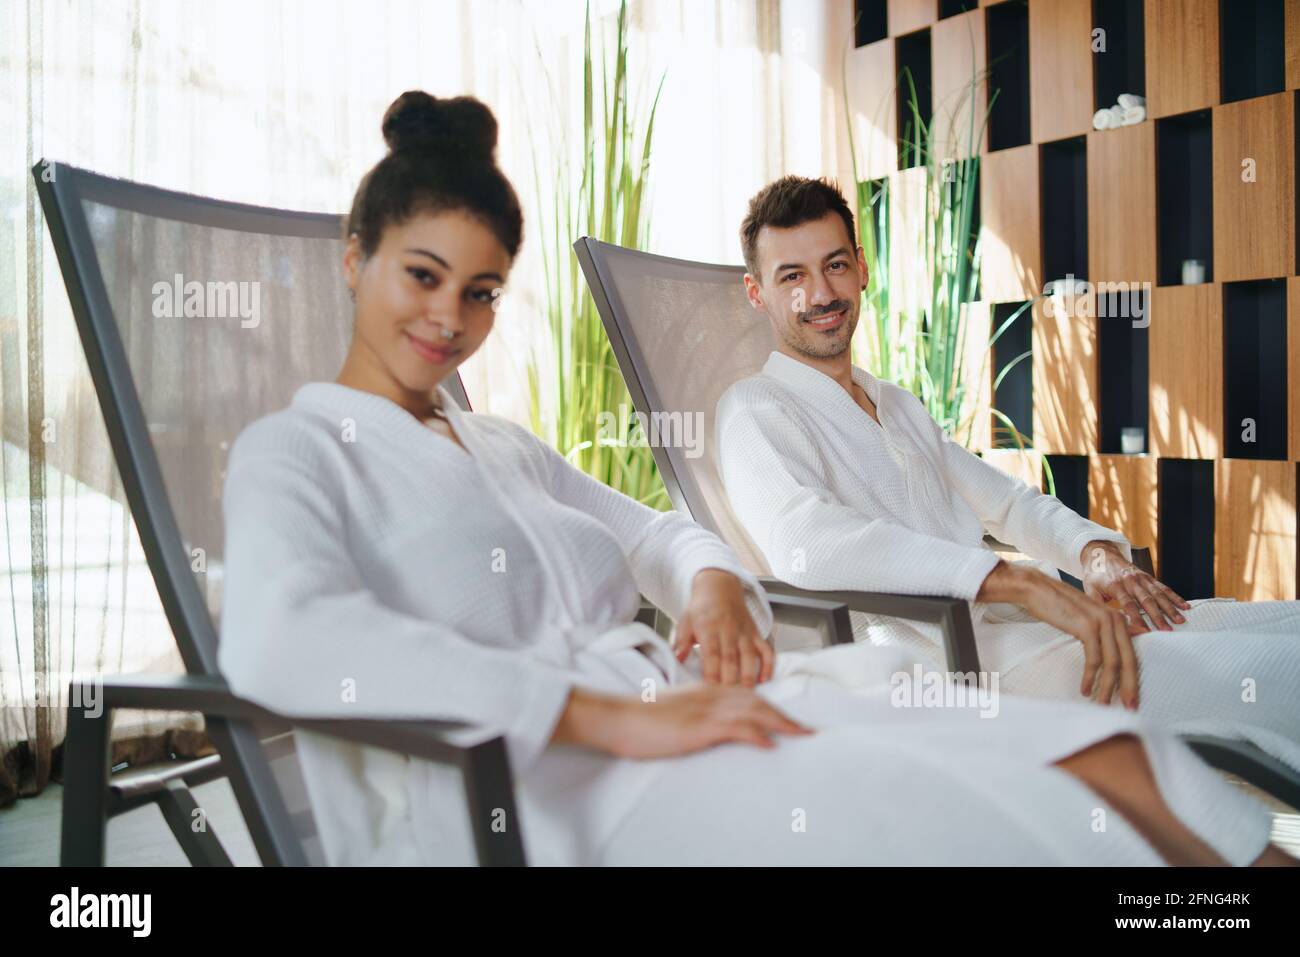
[[678, 721], [717, 619], [1106, 634], [1108, 576]]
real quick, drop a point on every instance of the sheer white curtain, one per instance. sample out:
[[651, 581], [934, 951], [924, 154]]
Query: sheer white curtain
[[278, 103]]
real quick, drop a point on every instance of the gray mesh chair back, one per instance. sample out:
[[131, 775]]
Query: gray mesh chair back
[[682, 332], [198, 317]]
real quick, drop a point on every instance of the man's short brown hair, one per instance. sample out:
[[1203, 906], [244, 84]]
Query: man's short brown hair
[[791, 201]]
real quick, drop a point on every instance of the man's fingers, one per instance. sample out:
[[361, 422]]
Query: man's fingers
[[1091, 660], [1128, 668], [1109, 661]]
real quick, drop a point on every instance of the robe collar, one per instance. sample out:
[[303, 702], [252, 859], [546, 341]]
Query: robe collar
[[815, 384], [343, 400]]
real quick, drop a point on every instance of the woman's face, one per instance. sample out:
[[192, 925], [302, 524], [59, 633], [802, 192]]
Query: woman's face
[[436, 272]]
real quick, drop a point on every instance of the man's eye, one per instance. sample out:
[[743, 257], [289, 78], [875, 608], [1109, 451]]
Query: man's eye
[[839, 265], [788, 276]]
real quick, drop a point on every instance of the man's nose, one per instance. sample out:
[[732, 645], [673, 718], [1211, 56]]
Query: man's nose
[[819, 291]]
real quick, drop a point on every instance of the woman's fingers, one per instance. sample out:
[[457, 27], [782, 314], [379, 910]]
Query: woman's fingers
[[1161, 595], [729, 651], [767, 658], [684, 640], [778, 721], [1133, 616]]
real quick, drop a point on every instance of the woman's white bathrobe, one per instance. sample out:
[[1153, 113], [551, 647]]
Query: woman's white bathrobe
[[374, 568], [836, 500]]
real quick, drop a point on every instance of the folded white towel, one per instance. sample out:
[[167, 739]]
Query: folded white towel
[[1102, 120], [1129, 100], [1133, 114]]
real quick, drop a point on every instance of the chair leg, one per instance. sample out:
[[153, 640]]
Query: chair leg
[[1251, 764], [201, 846], [492, 813], [85, 788]]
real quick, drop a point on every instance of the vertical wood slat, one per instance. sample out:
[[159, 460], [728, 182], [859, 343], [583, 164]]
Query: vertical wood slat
[[872, 80], [1254, 221], [1012, 259], [1122, 496], [1060, 69], [1122, 204], [908, 15], [1065, 376], [1186, 372], [1182, 56], [958, 53], [1255, 530]]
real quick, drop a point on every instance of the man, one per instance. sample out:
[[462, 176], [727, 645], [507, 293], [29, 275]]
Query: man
[[845, 482]]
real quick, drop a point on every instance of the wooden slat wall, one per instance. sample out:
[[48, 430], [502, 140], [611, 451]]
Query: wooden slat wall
[[1254, 530], [1182, 55], [1122, 204], [957, 48], [1254, 226], [1009, 205], [1254, 219], [1186, 372], [906, 16], [1060, 68]]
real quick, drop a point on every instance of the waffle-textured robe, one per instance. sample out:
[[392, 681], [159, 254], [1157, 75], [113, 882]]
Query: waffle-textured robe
[[373, 567], [835, 500]]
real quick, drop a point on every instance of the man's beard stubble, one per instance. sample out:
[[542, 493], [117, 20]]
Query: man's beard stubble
[[812, 343]]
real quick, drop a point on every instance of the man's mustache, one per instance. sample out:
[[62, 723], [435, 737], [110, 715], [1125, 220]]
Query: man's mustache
[[836, 306]]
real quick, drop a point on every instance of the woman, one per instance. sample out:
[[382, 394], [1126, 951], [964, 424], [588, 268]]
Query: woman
[[388, 555]]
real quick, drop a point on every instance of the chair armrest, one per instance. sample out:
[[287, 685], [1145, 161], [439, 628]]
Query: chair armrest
[[812, 610], [479, 754], [952, 615]]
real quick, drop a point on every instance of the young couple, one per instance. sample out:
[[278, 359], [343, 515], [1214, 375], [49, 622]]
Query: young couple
[[390, 555]]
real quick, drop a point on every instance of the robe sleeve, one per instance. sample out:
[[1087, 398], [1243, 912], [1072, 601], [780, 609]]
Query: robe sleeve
[[1017, 513], [665, 549], [776, 481], [303, 635]]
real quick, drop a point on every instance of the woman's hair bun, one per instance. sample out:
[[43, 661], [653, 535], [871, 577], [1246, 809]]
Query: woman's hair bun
[[461, 125]]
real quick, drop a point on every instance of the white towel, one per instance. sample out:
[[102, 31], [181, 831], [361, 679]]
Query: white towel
[[1102, 120], [1129, 100], [1133, 115]]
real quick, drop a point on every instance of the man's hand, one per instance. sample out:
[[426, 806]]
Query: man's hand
[[717, 619], [1106, 634], [1107, 576]]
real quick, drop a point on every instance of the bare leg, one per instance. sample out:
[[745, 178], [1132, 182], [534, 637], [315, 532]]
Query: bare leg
[[1118, 771]]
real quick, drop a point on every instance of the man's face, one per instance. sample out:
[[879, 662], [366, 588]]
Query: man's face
[[810, 285]]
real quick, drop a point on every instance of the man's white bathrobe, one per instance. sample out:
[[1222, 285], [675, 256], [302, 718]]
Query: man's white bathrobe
[[374, 568], [836, 500]]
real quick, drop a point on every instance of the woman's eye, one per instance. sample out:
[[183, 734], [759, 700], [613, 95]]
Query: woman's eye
[[484, 296], [422, 276]]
